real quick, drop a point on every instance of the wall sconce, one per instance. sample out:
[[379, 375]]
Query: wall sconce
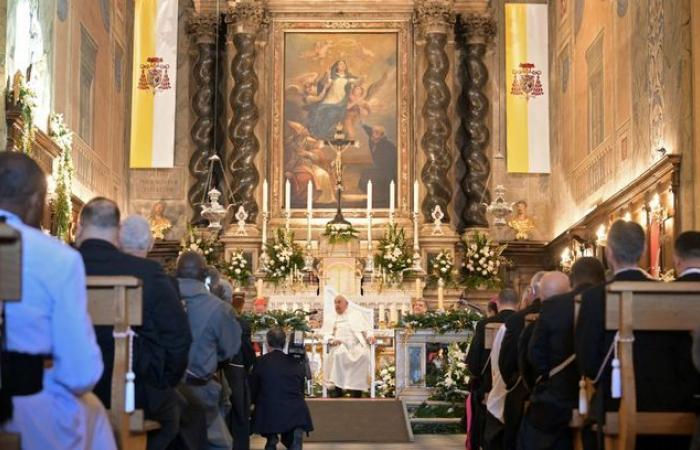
[[627, 217], [567, 259], [601, 236], [656, 211]]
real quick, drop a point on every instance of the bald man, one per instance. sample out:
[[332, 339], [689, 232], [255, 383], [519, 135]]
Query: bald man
[[347, 363], [551, 354]]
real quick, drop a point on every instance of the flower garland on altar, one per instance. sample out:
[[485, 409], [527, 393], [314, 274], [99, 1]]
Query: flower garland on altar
[[284, 256], [25, 98], [442, 268], [339, 233], [482, 261], [452, 321], [453, 384], [385, 383], [209, 247], [288, 320], [394, 255], [63, 174], [237, 268]]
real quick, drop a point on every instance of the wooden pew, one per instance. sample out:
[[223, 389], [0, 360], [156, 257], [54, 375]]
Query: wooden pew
[[117, 301], [643, 306]]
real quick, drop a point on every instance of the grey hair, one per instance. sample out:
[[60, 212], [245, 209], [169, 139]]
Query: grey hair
[[535, 282], [135, 233]]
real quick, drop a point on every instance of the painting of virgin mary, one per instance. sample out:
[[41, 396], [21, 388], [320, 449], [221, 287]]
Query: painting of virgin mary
[[331, 80]]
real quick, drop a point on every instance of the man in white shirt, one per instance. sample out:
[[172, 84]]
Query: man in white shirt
[[53, 408]]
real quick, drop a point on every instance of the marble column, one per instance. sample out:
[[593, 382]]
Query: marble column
[[435, 19], [202, 29], [474, 34], [244, 21]]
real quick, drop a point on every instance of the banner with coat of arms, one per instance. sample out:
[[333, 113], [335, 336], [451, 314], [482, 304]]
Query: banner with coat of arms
[[153, 84], [527, 88]]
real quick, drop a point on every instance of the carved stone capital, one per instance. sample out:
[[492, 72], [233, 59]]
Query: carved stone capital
[[476, 28], [247, 16], [202, 27], [434, 16]]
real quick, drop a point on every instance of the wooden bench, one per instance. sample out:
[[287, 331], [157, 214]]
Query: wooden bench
[[643, 306], [117, 301]]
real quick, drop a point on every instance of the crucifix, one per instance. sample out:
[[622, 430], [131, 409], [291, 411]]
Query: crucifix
[[339, 144]]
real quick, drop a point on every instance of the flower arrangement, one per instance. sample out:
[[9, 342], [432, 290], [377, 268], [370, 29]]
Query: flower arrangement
[[284, 256], [453, 385], [288, 320], [386, 381], [339, 233], [452, 321], [482, 261], [237, 268], [63, 174], [442, 267], [209, 247], [393, 256], [25, 98]]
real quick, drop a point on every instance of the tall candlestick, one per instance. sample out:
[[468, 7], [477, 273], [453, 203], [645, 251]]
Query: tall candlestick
[[419, 290], [309, 196], [369, 196], [392, 194], [264, 201], [441, 305], [393, 315], [287, 196], [416, 194], [381, 312], [369, 215], [259, 288]]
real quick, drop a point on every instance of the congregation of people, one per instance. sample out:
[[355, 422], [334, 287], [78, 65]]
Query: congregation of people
[[552, 345], [196, 372]]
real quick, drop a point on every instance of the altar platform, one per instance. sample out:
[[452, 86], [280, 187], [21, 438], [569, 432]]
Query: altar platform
[[422, 442]]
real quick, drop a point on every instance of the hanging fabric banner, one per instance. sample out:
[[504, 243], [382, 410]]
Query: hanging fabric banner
[[153, 84], [527, 87]]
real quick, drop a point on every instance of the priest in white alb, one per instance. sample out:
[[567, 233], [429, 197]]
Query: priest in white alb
[[346, 367]]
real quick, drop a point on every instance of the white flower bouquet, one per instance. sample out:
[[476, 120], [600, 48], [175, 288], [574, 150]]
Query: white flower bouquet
[[237, 268], [385, 383], [482, 262]]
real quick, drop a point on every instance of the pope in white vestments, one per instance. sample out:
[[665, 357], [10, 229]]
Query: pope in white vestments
[[347, 364]]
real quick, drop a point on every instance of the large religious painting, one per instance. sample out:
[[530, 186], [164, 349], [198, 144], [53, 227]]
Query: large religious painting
[[331, 80], [343, 81]]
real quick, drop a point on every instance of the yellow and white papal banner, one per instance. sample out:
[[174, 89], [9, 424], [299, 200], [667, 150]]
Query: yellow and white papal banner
[[153, 84], [527, 88]]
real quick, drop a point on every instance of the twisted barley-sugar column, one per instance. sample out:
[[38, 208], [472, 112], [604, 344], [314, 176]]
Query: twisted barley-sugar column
[[202, 30], [435, 17], [245, 20], [473, 133]]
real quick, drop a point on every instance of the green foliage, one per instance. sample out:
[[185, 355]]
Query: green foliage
[[283, 256], [26, 100], [455, 320], [452, 410], [237, 268], [452, 387], [61, 204], [288, 320], [441, 268], [209, 247], [340, 233]]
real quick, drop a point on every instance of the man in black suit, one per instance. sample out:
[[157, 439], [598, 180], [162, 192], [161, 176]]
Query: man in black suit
[[546, 424], [278, 394], [508, 362], [163, 341], [478, 361], [657, 360]]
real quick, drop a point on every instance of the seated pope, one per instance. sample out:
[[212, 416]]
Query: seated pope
[[346, 368]]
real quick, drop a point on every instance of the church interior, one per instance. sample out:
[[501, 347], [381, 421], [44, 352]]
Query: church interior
[[371, 178]]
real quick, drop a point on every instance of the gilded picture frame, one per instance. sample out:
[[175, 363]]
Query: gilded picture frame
[[290, 39]]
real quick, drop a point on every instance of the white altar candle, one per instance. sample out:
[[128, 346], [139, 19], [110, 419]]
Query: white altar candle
[[392, 194], [259, 286], [369, 196], [287, 196], [418, 289], [416, 194], [309, 196], [264, 201], [441, 306], [381, 312], [393, 314]]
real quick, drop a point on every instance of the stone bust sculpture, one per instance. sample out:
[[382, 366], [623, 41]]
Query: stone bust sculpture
[[522, 224]]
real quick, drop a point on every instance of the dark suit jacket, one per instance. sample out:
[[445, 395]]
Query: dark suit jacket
[[277, 386], [508, 357], [663, 367], [477, 356], [552, 343], [163, 342], [246, 355]]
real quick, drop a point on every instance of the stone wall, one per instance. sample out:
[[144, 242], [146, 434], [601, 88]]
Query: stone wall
[[643, 51]]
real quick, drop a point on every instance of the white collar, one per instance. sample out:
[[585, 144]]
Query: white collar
[[689, 270]]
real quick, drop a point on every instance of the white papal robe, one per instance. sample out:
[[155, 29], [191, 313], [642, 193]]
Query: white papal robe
[[347, 364], [52, 319]]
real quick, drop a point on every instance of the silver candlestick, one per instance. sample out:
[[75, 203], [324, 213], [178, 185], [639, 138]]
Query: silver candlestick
[[241, 216], [417, 266]]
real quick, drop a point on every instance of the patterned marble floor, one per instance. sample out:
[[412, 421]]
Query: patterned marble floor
[[422, 442]]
